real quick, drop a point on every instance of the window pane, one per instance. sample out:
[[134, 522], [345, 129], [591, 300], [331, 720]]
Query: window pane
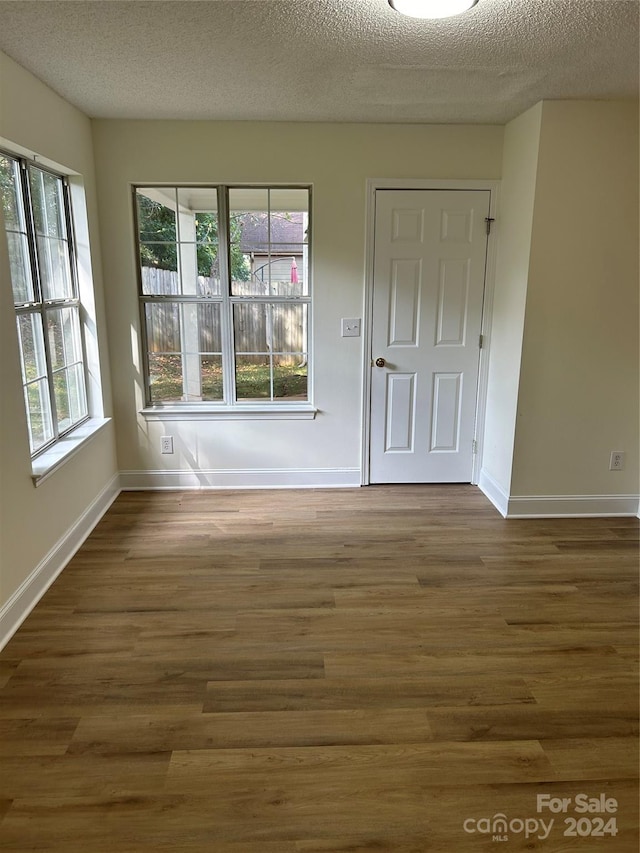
[[269, 234], [252, 281], [55, 271], [77, 393], [270, 341], [190, 332], [61, 392], [252, 327], [250, 269], [14, 219], [273, 273], [253, 377], [288, 237], [194, 332], [65, 353], [159, 269], [30, 335], [21, 278], [210, 285], [209, 328], [200, 201], [201, 205], [157, 234], [157, 215], [206, 224], [68, 387], [165, 378], [11, 194], [38, 414], [290, 376], [289, 328], [49, 219], [211, 371], [198, 236], [289, 199], [248, 227], [208, 269], [47, 201], [244, 200], [288, 273], [270, 327], [163, 327], [63, 330], [164, 345], [288, 211], [288, 250]]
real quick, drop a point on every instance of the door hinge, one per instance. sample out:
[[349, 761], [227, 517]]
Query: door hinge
[[481, 341], [489, 220], [474, 446]]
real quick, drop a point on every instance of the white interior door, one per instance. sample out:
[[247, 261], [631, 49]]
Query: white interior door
[[428, 288]]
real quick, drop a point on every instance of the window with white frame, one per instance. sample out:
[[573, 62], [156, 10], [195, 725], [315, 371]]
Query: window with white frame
[[38, 224], [224, 293]]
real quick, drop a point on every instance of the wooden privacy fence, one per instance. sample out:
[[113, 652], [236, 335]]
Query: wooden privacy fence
[[258, 327], [156, 282]]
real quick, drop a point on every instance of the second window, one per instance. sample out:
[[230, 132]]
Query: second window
[[225, 295]]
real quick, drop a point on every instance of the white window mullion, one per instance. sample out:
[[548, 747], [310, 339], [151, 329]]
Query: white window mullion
[[190, 331], [46, 243], [271, 376], [224, 261], [30, 230], [50, 371], [42, 307], [269, 263]]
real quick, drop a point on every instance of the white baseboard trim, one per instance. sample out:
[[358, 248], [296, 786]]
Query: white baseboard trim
[[242, 478], [24, 599], [557, 506], [572, 506], [492, 490]]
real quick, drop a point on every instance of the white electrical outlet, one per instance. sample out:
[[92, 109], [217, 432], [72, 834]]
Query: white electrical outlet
[[166, 444], [616, 461]]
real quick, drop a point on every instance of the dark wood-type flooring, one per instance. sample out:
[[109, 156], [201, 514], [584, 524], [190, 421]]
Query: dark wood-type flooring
[[344, 671]]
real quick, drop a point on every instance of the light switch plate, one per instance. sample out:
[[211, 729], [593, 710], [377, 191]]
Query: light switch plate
[[351, 328]]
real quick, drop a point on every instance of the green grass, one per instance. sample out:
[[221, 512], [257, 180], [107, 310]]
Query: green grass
[[252, 380]]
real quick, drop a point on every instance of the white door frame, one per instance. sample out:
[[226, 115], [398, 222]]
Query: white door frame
[[374, 184]]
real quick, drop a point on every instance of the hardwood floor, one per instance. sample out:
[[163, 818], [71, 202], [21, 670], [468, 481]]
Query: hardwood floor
[[369, 670]]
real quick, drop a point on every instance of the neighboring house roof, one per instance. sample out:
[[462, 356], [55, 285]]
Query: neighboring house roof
[[287, 233]]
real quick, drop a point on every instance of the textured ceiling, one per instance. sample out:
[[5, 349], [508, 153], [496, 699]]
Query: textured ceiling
[[323, 60]]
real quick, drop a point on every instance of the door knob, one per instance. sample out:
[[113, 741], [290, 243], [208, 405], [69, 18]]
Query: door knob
[[380, 362]]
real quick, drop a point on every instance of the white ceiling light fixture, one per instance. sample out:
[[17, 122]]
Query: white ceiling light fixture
[[431, 8]]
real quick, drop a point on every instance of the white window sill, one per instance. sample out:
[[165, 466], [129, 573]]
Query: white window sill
[[44, 465], [204, 411]]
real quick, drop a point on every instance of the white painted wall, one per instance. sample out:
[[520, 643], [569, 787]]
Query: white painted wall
[[337, 160], [33, 522], [579, 379], [513, 231]]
